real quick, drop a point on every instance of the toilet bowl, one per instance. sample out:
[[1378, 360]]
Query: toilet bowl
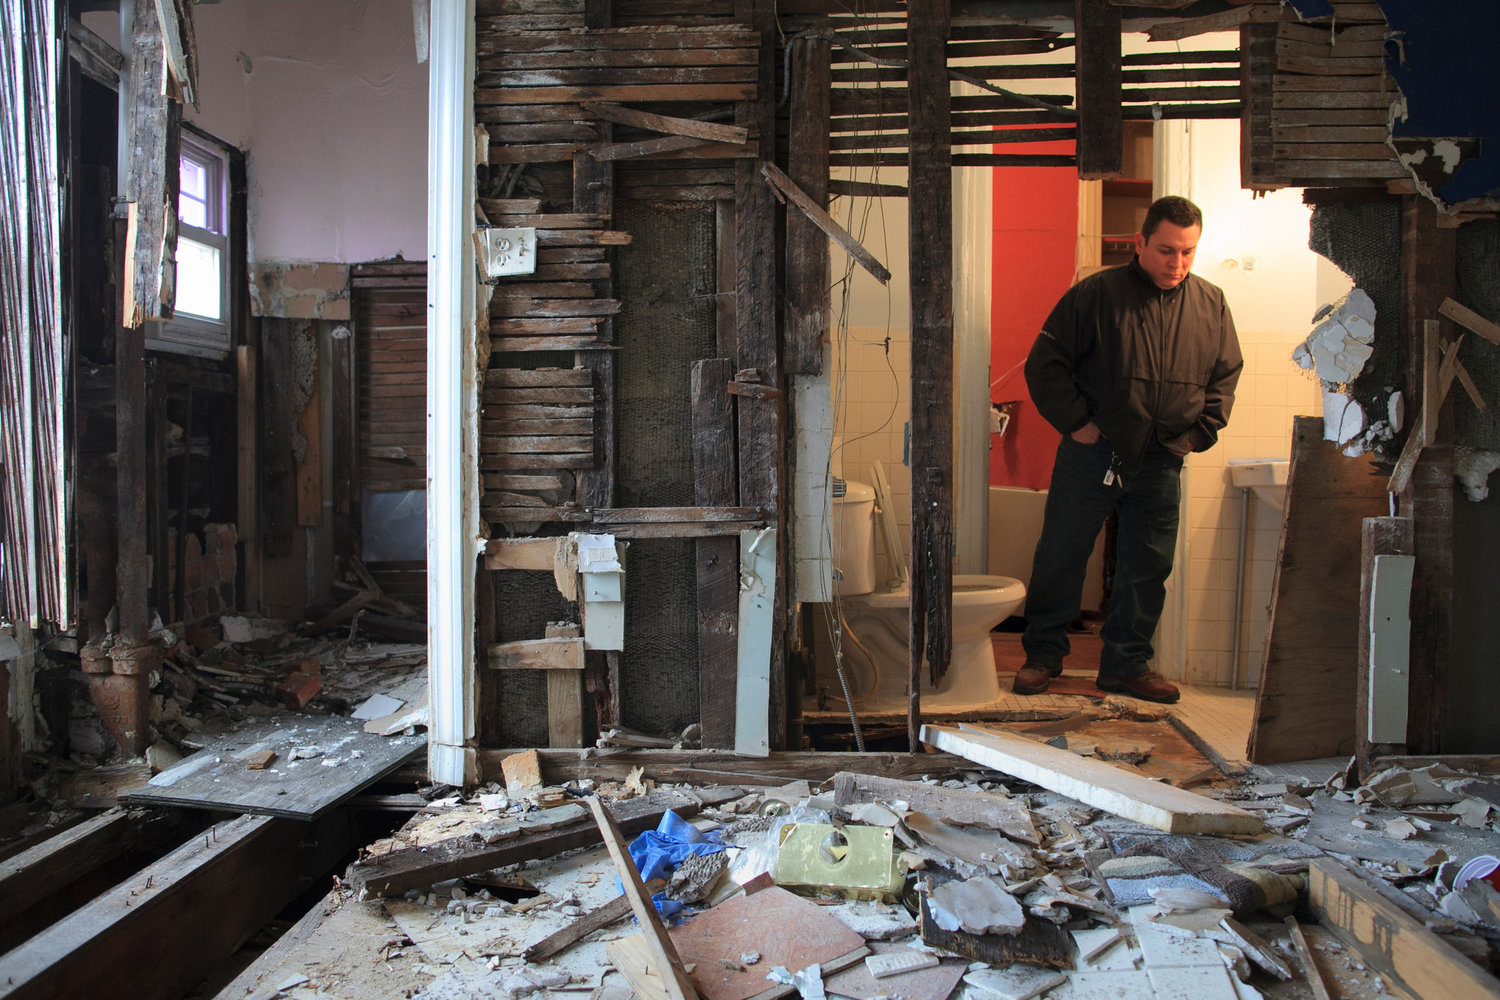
[[878, 616]]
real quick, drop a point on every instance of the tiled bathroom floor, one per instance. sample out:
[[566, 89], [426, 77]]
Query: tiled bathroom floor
[[1216, 719], [1217, 716]]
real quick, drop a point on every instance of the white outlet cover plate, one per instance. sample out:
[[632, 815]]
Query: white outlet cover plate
[[509, 251]]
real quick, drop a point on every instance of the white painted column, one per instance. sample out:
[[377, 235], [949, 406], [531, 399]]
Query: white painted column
[[973, 236], [1171, 173], [453, 542]]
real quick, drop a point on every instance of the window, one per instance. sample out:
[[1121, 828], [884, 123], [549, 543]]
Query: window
[[200, 325]]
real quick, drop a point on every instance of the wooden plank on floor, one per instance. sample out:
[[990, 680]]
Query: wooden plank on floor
[[343, 759], [415, 867], [664, 958], [155, 935], [1305, 706], [1390, 941], [1163, 807]]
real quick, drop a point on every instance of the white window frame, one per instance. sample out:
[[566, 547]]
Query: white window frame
[[185, 333]]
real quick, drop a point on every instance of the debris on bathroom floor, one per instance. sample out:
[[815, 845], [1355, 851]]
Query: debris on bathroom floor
[[1002, 888]]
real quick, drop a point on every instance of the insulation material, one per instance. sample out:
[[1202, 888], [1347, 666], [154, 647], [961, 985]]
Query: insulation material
[[524, 604], [666, 280]]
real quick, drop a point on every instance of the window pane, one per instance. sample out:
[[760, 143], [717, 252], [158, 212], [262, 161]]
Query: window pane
[[194, 179], [393, 525], [192, 198], [198, 281]]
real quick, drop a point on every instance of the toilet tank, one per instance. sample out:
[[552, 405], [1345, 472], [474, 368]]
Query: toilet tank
[[854, 539]]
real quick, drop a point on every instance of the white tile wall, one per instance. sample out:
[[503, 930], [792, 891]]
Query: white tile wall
[[1271, 392], [871, 402]]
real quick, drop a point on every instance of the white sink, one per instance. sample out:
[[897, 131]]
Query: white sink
[[1266, 476]]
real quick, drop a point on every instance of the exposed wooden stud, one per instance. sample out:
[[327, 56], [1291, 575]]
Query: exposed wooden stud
[[808, 275], [1428, 271], [819, 217], [247, 517], [717, 558], [761, 422], [930, 211], [1097, 60], [151, 181]]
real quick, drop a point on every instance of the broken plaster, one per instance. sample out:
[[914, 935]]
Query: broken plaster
[[299, 289], [1472, 468]]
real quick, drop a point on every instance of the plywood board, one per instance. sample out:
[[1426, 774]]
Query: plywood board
[[786, 929], [1174, 810], [1306, 704], [217, 777]]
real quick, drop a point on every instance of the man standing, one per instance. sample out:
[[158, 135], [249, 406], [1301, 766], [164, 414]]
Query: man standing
[[1136, 366]]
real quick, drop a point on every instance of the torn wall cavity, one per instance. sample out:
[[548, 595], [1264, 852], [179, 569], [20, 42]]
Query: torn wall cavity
[[1336, 351], [1355, 347]]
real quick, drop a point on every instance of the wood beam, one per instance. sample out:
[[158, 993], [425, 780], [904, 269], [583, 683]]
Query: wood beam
[[563, 766], [1392, 943], [1428, 269], [717, 558], [761, 457], [930, 211], [179, 916], [808, 275], [1101, 133]]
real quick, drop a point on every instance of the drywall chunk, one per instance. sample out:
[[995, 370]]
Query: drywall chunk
[[1472, 468], [978, 905], [1339, 345]]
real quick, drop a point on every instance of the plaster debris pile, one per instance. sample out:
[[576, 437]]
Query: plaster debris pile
[[987, 884]]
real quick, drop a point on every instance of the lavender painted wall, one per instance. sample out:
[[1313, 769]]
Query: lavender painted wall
[[329, 102]]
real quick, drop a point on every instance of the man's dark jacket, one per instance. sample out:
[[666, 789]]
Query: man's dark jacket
[[1139, 361]]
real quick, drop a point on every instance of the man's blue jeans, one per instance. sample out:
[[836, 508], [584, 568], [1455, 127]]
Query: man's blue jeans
[[1077, 504]]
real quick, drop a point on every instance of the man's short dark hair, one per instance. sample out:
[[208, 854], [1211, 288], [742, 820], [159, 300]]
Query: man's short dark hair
[[1174, 209]]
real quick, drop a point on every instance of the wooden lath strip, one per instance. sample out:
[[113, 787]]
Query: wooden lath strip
[[608, 39], [624, 93]]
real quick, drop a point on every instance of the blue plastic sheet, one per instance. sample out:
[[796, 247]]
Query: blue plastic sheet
[[657, 853]]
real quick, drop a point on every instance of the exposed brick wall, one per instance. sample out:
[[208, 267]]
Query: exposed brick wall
[[208, 572]]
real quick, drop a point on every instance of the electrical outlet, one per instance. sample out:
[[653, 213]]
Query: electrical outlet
[[508, 251]]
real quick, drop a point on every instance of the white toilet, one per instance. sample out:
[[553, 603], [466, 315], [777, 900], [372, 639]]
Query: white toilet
[[877, 612]]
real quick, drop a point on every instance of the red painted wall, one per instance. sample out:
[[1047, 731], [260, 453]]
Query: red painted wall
[[1036, 231]]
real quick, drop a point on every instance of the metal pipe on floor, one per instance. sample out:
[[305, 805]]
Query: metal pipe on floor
[[1239, 592]]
